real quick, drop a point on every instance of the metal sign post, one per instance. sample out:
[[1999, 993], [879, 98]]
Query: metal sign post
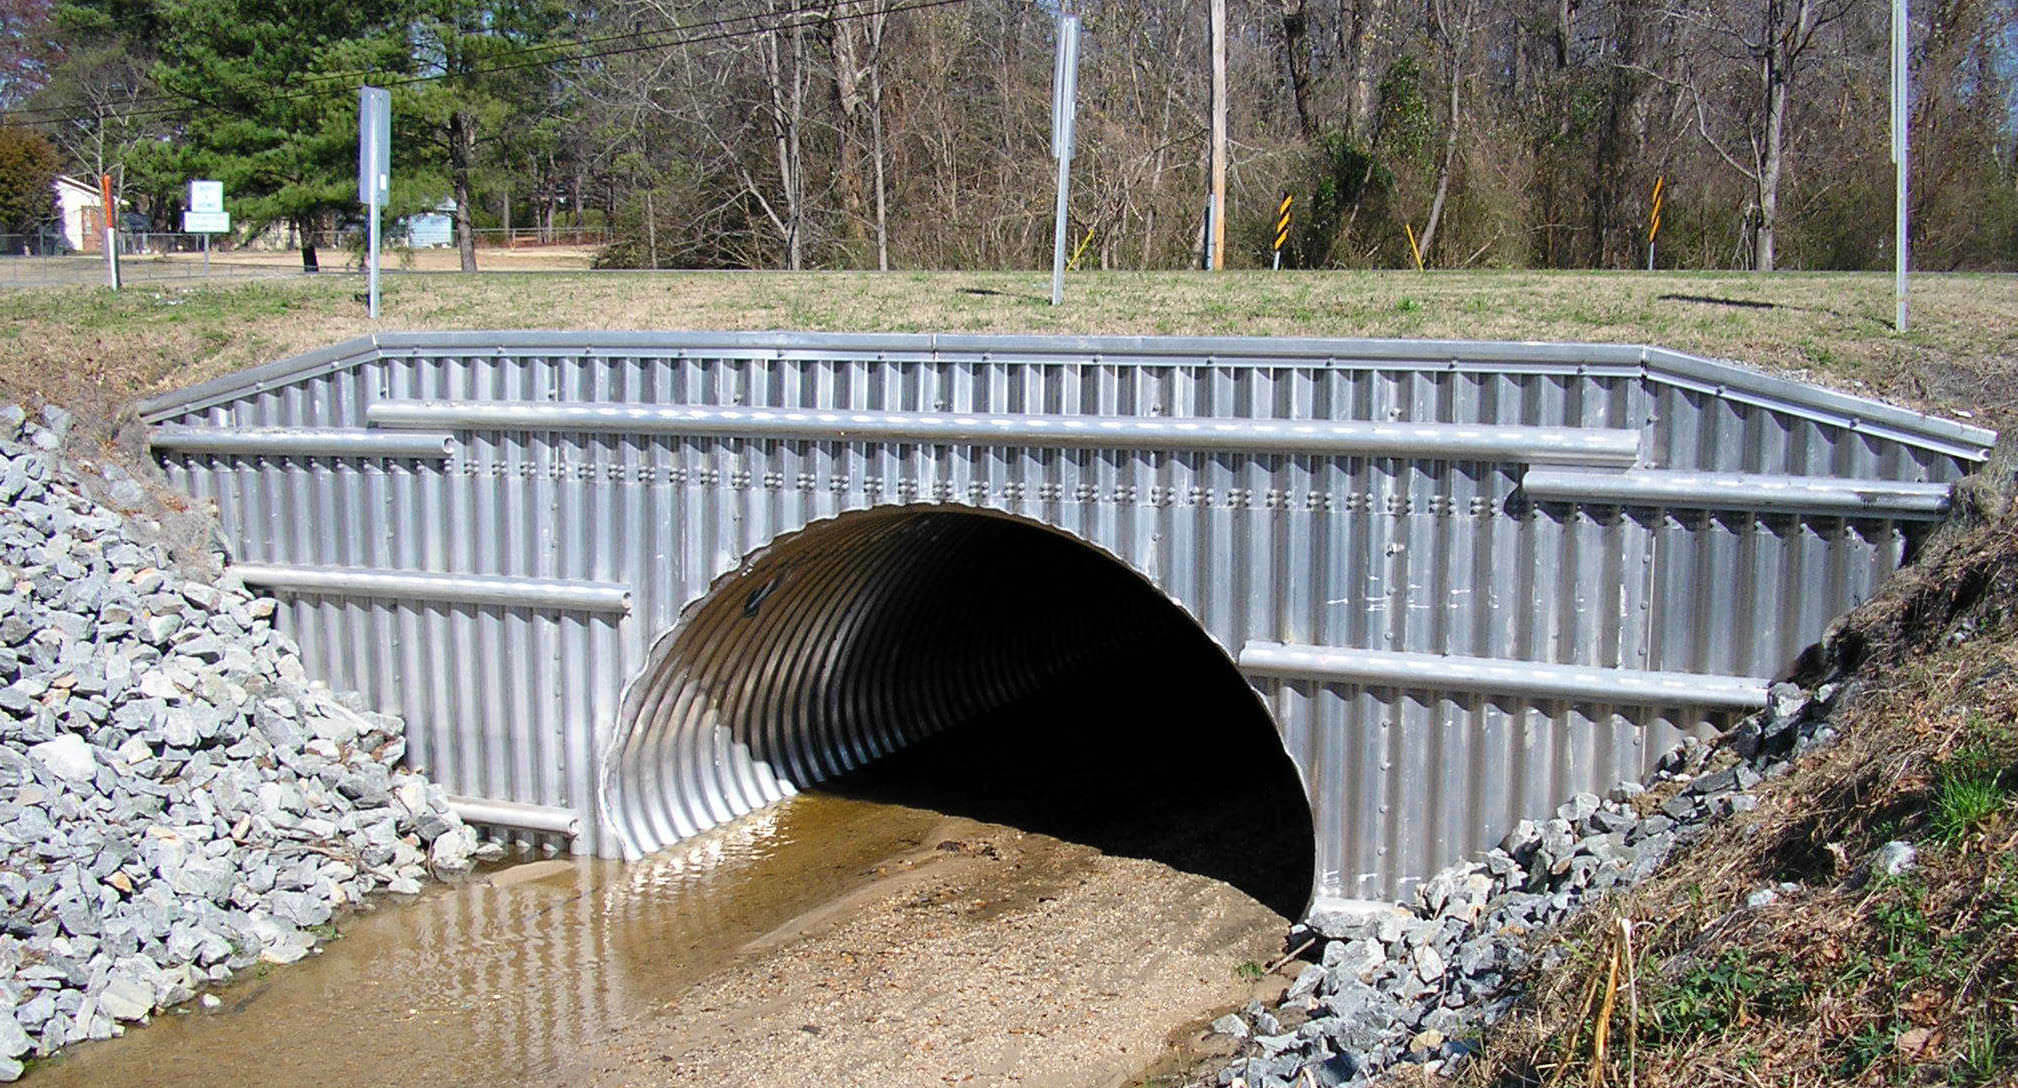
[[1064, 104], [1901, 113], [374, 170]]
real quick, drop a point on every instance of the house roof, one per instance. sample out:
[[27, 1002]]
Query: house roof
[[65, 181]]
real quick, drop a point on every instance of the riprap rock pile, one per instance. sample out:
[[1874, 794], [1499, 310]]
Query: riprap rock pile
[[1417, 983], [177, 800]]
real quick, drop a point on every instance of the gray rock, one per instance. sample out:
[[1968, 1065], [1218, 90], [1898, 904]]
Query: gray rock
[[1230, 1024], [1605, 821], [14, 1042], [1577, 808], [1358, 959], [126, 998], [1271, 1045], [1520, 843], [1894, 859], [450, 853], [1307, 981], [1715, 782], [1429, 966], [68, 757]]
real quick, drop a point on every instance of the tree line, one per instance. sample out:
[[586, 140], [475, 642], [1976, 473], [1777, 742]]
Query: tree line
[[915, 133]]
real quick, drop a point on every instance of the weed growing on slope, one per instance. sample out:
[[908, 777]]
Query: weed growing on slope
[[1847, 976], [1970, 787]]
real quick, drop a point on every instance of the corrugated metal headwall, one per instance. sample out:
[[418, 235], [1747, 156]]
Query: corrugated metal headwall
[[489, 532]]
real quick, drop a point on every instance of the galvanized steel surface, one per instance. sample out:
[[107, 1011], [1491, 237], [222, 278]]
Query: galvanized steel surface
[[708, 448]]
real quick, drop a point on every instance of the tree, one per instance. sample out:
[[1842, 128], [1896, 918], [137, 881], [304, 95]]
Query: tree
[[27, 48], [28, 169], [276, 102], [103, 92], [1774, 38], [477, 92]]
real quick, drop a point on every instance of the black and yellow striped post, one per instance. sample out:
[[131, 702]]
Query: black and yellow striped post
[[1282, 217], [1654, 220]]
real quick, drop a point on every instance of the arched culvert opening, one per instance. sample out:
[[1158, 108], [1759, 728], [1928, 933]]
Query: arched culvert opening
[[1027, 678]]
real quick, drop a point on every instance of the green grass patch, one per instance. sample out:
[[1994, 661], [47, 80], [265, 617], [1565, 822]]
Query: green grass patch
[[1970, 786], [1730, 991]]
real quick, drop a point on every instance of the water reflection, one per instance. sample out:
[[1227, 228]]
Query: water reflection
[[492, 984], [1166, 756]]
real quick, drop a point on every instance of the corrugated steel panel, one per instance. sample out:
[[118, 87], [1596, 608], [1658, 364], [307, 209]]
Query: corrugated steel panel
[[1400, 550]]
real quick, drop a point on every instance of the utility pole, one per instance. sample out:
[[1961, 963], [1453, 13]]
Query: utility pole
[[1218, 237]]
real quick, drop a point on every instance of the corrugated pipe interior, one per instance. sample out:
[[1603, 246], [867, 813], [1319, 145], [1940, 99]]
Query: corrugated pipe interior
[[867, 633]]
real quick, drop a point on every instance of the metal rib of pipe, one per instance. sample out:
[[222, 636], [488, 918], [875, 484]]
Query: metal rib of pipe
[[1440, 441], [429, 586], [1742, 491], [300, 442], [1528, 679], [853, 638], [516, 815]]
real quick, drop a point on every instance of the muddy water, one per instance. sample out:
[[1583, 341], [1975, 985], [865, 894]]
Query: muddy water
[[1048, 898], [495, 981]]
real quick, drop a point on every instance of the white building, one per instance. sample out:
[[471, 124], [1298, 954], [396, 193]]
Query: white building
[[83, 212], [429, 229]]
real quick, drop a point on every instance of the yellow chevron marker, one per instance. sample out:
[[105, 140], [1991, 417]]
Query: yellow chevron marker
[[1282, 218]]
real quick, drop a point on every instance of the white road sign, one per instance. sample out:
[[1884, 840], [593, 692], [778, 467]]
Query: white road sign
[[206, 222], [206, 196]]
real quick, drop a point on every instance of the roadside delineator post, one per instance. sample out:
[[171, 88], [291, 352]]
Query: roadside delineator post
[[111, 231], [1282, 217], [1654, 219]]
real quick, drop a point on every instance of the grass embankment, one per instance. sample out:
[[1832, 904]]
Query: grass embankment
[[90, 348], [1847, 976]]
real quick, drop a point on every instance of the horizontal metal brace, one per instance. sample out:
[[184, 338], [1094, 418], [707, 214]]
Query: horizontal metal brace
[[516, 815], [1741, 491], [450, 588], [1442, 441], [300, 442], [1493, 676]]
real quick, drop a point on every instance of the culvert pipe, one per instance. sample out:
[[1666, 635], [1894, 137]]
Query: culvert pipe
[[865, 634]]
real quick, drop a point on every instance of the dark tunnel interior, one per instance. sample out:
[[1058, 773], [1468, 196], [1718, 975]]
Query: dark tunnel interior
[[1140, 738], [971, 663]]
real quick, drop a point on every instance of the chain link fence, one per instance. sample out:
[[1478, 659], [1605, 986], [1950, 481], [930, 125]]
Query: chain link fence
[[49, 260]]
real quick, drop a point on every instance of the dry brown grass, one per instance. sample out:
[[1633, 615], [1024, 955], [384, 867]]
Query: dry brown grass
[[85, 346], [1849, 978]]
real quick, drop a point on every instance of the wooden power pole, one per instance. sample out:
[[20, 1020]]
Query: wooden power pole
[[1218, 238]]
